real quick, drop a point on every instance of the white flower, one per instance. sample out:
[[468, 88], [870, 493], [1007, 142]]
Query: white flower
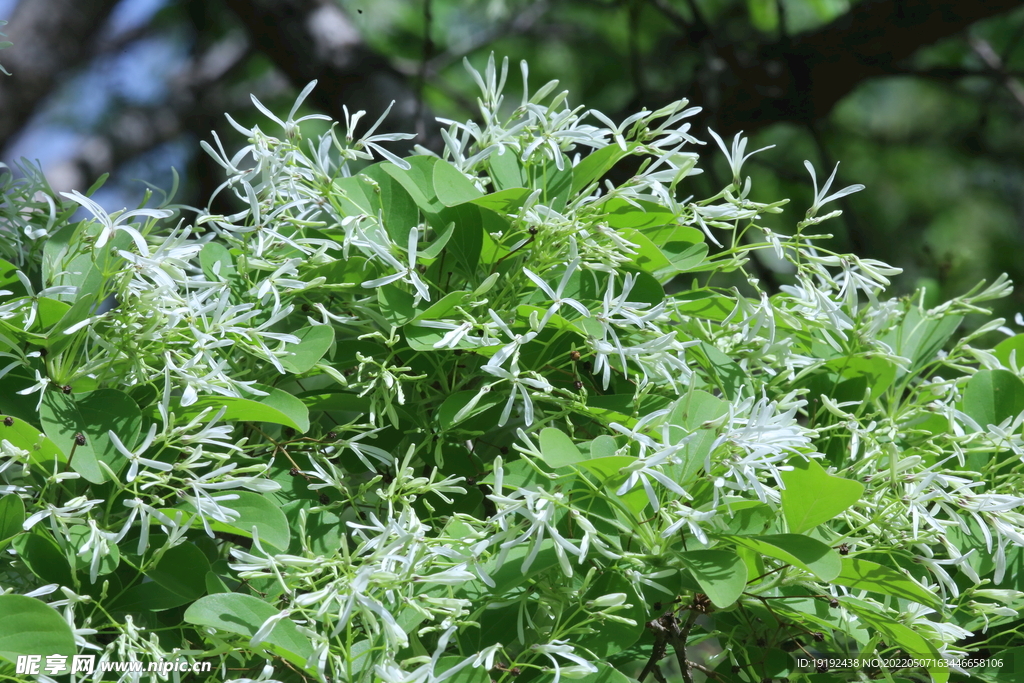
[[822, 197], [736, 158], [405, 272], [117, 221], [565, 651], [519, 387], [135, 457], [556, 295], [67, 514]]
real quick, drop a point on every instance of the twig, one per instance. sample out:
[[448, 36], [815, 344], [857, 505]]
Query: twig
[[660, 645], [983, 49]]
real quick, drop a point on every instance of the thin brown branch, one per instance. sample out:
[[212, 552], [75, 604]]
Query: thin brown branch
[[315, 39], [983, 49]]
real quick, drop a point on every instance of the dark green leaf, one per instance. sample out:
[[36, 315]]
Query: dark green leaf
[[183, 570], [506, 171], [12, 514], [92, 414], [43, 557]]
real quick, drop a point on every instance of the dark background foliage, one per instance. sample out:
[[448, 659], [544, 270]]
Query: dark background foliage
[[922, 100]]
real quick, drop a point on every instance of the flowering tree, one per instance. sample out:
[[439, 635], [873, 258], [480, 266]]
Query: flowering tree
[[484, 417]]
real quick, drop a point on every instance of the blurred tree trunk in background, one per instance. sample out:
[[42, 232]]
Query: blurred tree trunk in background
[[50, 38], [922, 98]]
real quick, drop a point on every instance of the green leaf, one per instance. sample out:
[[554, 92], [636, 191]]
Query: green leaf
[[92, 414], [730, 376], [243, 615], [557, 185], [870, 576], [43, 557], [148, 597], [467, 240], [803, 552], [683, 258], [396, 305], [605, 674], [396, 200], [648, 257], [456, 402], [613, 636], [451, 186], [506, 171], [919, 338], [278, 407], [722, 574], [510, 574], [316, 340], [336, 401], [505, 201], [813, 496], [12, 515], [256, 511], [78, 536], [593, 167], [31, 627], [466, 674], [1008, 347], [48, 313], [433, 250], [558, 449], [182, 570], [444, 306], [705, 305], [418, 181], [877, 373], [991, 396], [622, 214], [345, 273], [764, 14], [216, 262], [673, 239], [23, 435], [607, 471], [355, 195], [896, 634]]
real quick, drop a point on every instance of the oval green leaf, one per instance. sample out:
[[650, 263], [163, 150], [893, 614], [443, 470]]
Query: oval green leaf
[[30, 627], [871, 576], [721, 574], [243, 615], [802, 552], [813, 496]]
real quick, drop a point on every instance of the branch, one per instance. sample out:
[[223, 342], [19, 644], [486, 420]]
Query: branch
[[314, 39], [983, 49], [48, 36], [802, 78]]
